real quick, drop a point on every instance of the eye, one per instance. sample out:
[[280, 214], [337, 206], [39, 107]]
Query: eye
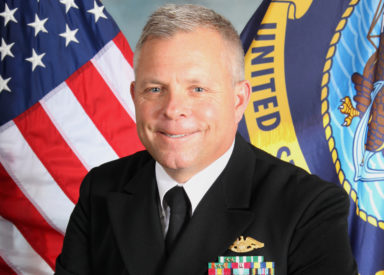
[[154, 89], [198, 89]]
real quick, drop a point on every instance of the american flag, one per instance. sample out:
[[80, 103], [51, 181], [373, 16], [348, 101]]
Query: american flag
[[65, 107]]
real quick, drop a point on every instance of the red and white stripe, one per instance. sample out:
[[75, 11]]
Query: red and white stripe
[[46, 151]]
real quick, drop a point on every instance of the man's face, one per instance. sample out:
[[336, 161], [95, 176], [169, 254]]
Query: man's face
[[187, 106]]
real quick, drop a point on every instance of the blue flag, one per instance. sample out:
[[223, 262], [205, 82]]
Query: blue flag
[[317, 75]]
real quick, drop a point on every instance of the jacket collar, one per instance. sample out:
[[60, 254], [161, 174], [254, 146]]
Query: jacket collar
[[136, 223], [220, 218]]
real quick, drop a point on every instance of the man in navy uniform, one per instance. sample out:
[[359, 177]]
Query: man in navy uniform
[[200, 191]]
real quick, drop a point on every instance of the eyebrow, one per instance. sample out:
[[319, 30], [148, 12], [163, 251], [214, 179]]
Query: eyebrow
[[159, 82], [151, 81], [194, 81]]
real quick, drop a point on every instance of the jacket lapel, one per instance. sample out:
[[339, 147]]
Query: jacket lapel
[[136, 223], [220, 218]]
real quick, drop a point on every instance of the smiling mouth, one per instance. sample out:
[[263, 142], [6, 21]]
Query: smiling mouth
[[175, 136]]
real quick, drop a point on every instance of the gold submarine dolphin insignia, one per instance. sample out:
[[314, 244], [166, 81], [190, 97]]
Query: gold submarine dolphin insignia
[[242, 245]]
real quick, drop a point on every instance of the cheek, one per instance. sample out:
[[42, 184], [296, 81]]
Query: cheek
[[143, 119], [222, 111], [216, 117], [206, 113], [144, 112]]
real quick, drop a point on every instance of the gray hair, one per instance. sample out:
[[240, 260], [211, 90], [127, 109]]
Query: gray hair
[[171, 18]]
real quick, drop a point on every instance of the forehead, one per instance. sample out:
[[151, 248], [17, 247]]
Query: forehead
[[183, 52]]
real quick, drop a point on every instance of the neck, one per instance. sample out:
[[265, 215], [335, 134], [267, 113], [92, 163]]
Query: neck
[[182, 175]]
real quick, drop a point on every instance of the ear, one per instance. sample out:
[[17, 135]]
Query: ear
[[132, 90], [242, 95]]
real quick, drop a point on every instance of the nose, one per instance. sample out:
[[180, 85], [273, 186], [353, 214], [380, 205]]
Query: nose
[[176, 104]]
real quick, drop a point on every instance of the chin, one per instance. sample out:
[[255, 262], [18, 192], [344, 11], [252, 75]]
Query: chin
[[173, 162]]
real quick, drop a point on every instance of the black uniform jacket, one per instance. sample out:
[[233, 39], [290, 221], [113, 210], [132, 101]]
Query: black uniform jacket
[[115, 227]]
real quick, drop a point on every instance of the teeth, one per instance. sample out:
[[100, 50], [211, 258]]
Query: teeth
[[175, 136]]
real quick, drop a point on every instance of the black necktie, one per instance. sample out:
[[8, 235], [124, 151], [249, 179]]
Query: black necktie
[[180, 206]]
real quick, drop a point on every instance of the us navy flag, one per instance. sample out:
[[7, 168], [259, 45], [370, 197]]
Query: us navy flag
[[317, 75]]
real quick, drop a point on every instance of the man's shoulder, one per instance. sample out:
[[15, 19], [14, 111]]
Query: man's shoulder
[[113, 175], [288, 191], [131, 162], [265, 163], [285, 178]]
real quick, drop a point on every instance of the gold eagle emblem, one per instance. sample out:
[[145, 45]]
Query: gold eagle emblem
[[242, 245]]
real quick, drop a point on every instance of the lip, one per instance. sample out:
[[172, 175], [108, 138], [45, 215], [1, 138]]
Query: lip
[[176, 135]]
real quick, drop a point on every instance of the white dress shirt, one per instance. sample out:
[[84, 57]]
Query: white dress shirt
[[196, 187]]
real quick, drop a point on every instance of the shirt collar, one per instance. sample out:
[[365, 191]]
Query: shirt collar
[[198, 185]]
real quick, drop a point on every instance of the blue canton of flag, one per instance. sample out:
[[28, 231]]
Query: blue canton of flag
[[37, 37], [65, 108]]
